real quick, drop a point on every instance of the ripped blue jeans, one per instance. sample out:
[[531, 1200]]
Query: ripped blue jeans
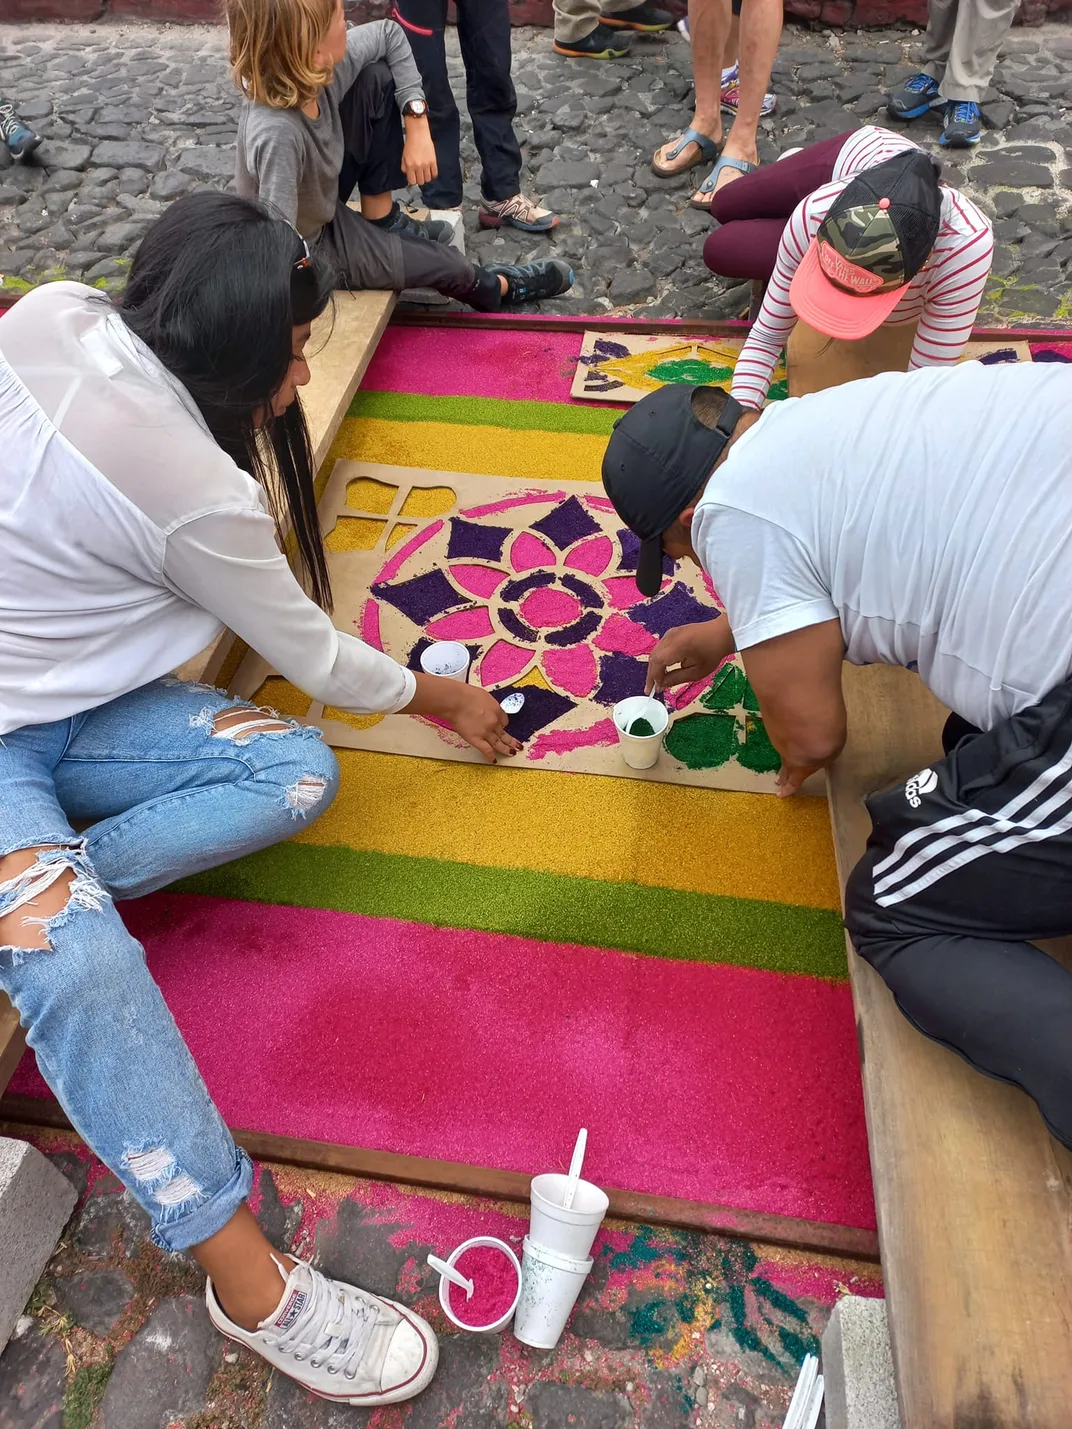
[[158, 792]]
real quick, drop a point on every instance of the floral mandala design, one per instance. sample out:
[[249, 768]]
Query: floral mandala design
[[553, 606]]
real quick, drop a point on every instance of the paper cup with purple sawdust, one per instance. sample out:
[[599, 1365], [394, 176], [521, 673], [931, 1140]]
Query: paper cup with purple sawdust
[[641, 723], [446, 658], [570, 1232], [495, 1272], [550, 1284]]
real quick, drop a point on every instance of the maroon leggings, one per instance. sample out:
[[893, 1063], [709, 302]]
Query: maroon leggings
[[754, 210]]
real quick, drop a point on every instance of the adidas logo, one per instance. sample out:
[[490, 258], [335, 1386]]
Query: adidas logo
[[922, 783]]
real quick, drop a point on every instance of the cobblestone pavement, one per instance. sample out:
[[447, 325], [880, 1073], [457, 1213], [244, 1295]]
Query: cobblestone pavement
[[672, 1329], [136, 115]]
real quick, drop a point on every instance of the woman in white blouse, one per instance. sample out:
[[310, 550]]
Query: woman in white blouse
[[151, 451]]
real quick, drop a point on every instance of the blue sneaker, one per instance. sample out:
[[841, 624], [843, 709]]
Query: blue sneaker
[[916, 96], [962, 126], [531, 283], [16, 134]]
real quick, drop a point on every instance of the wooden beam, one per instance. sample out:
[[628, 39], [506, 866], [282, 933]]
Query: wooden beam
[[12, 1041], [819, 1237], [974, 1196]]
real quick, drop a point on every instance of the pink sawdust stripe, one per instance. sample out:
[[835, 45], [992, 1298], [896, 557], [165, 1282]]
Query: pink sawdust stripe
[[712, 1083], [462, 362]]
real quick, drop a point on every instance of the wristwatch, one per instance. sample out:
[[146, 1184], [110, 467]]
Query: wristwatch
[[416, 107]]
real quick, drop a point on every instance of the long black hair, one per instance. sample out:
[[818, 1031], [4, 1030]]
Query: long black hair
[[215, 289]]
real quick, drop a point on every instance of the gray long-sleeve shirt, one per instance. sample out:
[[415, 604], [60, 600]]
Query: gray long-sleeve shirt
[[291, 161]]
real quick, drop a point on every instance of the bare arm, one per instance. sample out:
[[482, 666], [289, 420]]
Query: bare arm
[[797, 680]]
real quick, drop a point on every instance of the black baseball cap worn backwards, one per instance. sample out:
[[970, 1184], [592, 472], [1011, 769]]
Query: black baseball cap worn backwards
[[659, 455]]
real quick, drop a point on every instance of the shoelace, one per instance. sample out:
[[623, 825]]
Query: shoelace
[[341, 1321], [10, 123], [920, 83], [518, 207], [965, 112]]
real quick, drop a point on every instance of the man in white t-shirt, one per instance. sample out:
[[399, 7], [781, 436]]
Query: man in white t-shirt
[[925, 520]]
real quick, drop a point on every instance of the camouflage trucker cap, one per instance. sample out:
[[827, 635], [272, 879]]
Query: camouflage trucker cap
[[877, 236]]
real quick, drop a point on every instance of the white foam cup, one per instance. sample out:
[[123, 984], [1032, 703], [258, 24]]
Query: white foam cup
[[566, 1232], [444, 1285], [446, 658], [640, 751], [550, 1284]]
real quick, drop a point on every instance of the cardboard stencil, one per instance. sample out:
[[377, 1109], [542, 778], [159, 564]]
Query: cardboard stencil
[[625, 366], [538, 584]]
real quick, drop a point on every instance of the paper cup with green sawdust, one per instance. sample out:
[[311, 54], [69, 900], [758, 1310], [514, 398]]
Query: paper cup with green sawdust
[[550, 1284], [641, 723]]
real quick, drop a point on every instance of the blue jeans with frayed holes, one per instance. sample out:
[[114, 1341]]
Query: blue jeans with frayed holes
[[157, 792]]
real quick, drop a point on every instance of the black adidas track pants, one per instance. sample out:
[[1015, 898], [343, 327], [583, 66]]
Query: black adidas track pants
[[967, 862]]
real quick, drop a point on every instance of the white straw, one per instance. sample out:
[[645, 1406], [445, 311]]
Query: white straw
[[454, 1276], [575, 1169]]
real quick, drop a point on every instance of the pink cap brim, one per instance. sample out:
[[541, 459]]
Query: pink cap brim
[[829, 309]]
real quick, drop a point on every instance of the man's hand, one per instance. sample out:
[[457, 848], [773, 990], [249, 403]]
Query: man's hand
[[792, 776], [688, 653], [418, 155], [471, 711]]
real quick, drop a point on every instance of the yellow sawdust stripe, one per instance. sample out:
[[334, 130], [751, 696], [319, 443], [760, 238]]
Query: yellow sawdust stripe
[[620, 830], [486, 451]]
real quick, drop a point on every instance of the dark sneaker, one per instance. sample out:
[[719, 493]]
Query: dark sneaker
[[16, 133], [916, 96], [400, 222], [602, 44], [644, 18], [962, 126], [549, 278]]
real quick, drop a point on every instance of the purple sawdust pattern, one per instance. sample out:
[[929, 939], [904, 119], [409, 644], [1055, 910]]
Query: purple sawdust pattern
[[468, 539], [619, 677], [567, 523], [422, 597], [585, 593], [578, 631], [515, 589], [630, 545], [678, 606], [541, 708], [517, 627]]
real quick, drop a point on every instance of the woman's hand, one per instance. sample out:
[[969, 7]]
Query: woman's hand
[[418, 155], [471, 712], [688, 653]]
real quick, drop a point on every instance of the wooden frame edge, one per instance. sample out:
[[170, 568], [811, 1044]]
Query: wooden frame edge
[[818, 1237]]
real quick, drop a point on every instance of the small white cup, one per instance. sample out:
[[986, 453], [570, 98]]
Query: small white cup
[[567, 1232], [446, 658], [444, 1285], [640, 751], [550, 1284]]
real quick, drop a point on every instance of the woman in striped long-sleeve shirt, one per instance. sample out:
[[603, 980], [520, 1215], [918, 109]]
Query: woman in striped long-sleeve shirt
[[779, 221]]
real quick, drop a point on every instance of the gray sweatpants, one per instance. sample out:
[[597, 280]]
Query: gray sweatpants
[[364, 256], [576, 18], [963, 39]]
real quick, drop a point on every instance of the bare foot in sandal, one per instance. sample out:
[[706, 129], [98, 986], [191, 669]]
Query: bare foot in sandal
[[691, 148], [731, 166]]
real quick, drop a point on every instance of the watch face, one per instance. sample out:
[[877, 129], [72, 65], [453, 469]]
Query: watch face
[[416, 106]]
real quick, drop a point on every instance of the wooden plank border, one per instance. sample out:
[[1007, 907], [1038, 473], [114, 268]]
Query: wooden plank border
[[818, 1237]]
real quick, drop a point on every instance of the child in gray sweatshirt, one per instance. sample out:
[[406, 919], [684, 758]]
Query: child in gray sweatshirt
[[330, 110]]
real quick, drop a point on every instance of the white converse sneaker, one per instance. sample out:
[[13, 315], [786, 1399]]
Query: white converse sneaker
[[338, 1341]]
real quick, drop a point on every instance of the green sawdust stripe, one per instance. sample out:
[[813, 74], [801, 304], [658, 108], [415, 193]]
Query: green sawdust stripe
[[485, 412], [660, 922]]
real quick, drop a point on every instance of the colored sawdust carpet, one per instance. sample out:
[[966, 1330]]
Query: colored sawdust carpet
[[467, 963], [539, 588], [457, 962]]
